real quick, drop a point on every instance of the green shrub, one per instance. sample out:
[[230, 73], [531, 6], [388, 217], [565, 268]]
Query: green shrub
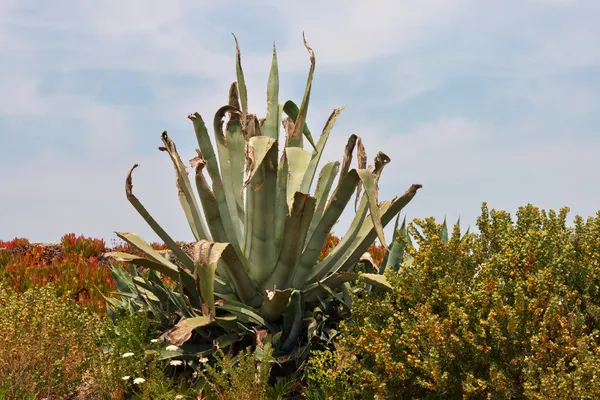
[[240, 377], [511, 312], [129, 362], [45, 344]]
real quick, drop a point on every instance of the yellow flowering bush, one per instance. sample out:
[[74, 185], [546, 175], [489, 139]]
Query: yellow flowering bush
[[508, 313], [46, 344]]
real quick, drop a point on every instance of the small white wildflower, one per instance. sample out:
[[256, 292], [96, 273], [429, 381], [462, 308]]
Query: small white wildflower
[[172, 348], [203, 360], [127, 355], [176, 362], [126, 378], [137, 381], [154, 341]]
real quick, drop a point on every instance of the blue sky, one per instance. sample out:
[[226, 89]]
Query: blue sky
[[493, 101]]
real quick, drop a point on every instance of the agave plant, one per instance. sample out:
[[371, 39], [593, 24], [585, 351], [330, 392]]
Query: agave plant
[[254, 268]]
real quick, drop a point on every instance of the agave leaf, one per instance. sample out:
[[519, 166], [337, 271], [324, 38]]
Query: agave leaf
[[182, 332], [393, 258], [333, 281], [184, 189], [206, 258], [324, 184], [144, 262], [274, 303], [227, 322], [271, 126], [368, 182], [301, 119], [334, 295], [367, 235], [212, 166], [317, 240], [208, 200], [362, 164], [260, 207], [444, 232], [346, 161], [369, 201], [162, 265], [244, 311], [226, 171], [227, 340], [296, 227], [179, 253], [258, 148], [309, 175], [376, 280], [292, 322], [367, 260], [123, 281], [291, 110], [282, 208], [236, 144], [298, 161], [237, 276], [241, 82]]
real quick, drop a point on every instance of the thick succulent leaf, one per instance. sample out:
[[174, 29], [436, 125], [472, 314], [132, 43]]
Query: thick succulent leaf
[[348, 150], [144, 262], [248, 313], [159, 263], [393, 257], [291, 110], [361, 156], [301, 119], [227, 340], [324, 185], [334, 295], [333, 281], [317, 240], [182, 332], [259, 246], [271, 126], [212, 166], [296, 228], [367, 235], [179, 253], [226, 173], [184, 190], [298, 161], [208, 200], [321, 269], [292, 322], [369, 263], [236, 145], [258, 148], [123, 281], [368, 182], [376, 280], [206, 257], [237, 275], [241, 82], [444, 232], [369, 201], [274, 302], [309, 175]]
